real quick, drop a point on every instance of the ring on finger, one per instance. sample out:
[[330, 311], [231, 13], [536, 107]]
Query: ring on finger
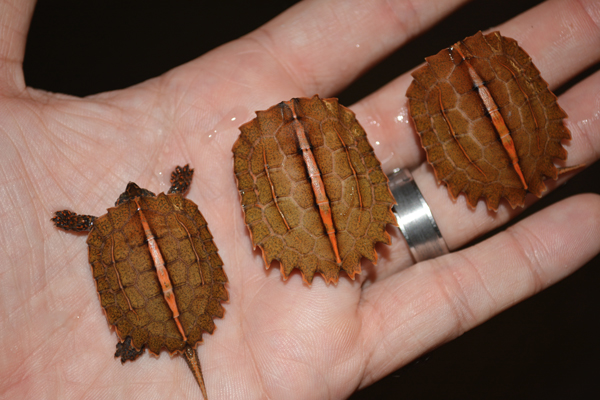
[[414, 218]]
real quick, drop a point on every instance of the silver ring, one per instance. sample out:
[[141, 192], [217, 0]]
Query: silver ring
[[414, 218]]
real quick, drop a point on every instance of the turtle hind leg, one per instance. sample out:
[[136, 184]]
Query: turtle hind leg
[[126, 351], [70, 221], [191, 357], [181, 179]]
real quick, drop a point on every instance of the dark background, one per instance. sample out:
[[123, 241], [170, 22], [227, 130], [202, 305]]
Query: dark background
[[545, 347]]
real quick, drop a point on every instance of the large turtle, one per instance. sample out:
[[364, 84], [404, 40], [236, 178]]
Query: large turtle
[[488, 122], [157, 271]]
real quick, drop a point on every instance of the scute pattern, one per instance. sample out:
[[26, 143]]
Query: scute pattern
[[458, 135], [278, 199], [126, 280]]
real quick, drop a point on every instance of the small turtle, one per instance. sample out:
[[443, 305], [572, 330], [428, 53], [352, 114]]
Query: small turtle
[[157, 271]]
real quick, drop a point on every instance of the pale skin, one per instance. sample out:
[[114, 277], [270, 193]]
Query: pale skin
[[277, 339]]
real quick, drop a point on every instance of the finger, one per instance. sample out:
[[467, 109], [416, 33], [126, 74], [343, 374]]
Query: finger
[[317, 47], [15, 16], [324, 46], [582, 103], [562, 38], [438, 300]]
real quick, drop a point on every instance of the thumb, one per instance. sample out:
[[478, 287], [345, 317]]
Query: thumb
[[15, 16]]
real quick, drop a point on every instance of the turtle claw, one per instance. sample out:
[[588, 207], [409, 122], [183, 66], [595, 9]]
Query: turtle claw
[[70, 221], [126, 351], [181, 178]]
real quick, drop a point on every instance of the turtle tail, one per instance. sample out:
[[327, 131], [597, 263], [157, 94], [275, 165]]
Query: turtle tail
[[191, 357]]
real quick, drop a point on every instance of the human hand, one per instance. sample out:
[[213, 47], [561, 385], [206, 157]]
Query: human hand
[[278, 339]]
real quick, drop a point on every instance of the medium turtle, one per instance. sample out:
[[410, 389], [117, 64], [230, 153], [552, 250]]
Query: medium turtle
[[157, 271], [312, 190]]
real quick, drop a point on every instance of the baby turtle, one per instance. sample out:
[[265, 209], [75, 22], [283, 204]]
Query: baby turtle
[[157, 271], [490, 126], [312, 190]]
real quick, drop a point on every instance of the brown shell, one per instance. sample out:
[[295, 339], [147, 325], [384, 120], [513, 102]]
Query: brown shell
[[126, 278], [278, 196], [460, 137]]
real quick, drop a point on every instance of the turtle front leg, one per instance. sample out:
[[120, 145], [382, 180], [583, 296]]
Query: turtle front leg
[[181, 178], [70, 221], [126, 351]]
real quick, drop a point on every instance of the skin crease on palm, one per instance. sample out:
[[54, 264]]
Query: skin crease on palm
[[278, 340]]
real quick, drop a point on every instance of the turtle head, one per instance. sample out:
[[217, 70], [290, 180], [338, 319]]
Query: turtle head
[[132, 191]]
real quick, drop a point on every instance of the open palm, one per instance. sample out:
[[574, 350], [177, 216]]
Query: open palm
[[278, 339]]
